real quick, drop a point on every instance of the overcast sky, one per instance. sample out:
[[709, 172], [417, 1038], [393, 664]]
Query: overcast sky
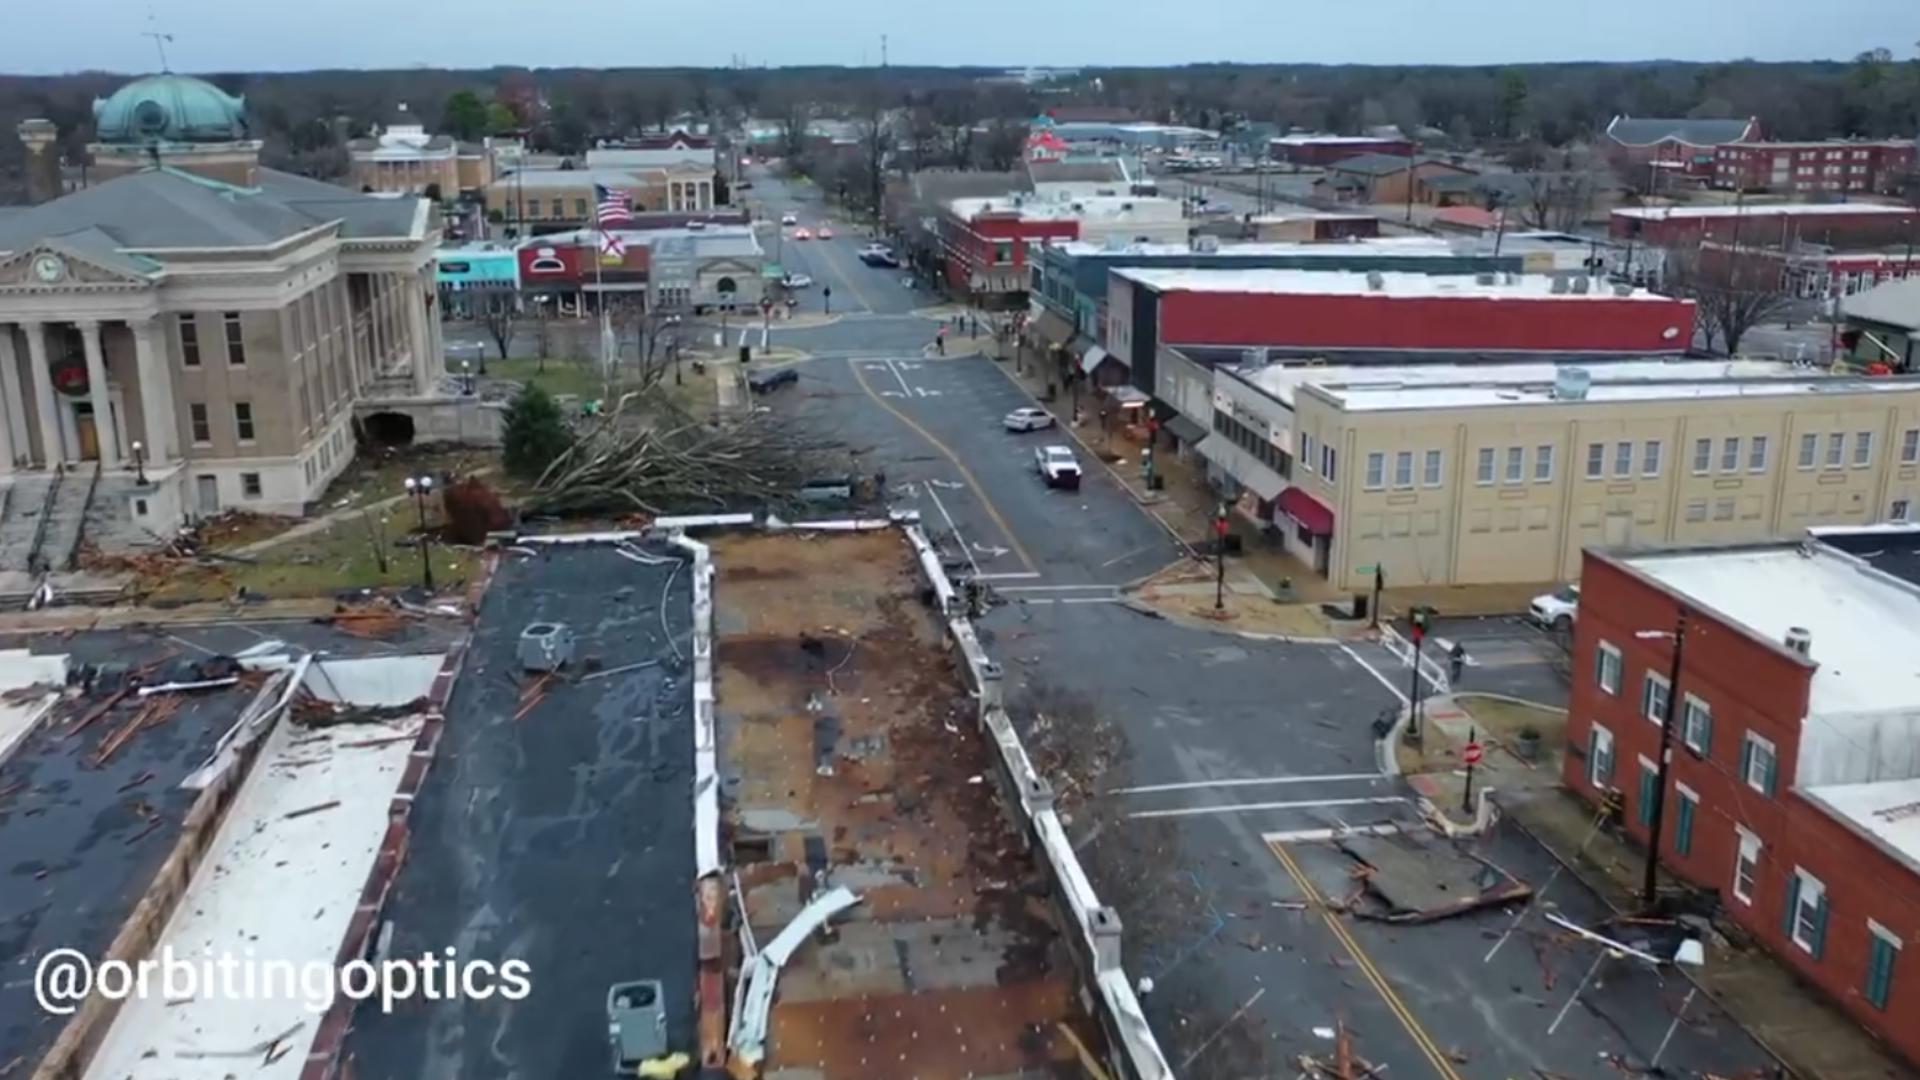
[[50, 36]]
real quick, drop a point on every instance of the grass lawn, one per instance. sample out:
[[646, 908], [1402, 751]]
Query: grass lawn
[[381, 474], [569, 375], [340, 558]]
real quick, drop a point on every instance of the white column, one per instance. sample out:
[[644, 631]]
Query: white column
[[51, 452], [436, 326], [418, 335], [343, 303], [13, 421], [157, 417], [104, 430]]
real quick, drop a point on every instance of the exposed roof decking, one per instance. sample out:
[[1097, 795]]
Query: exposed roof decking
[[949, 967]]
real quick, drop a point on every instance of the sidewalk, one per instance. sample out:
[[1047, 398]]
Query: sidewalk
[[1791, 1019]]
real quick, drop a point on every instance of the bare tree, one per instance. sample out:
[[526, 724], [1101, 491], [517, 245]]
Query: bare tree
[[1734, 288], [500, 313]]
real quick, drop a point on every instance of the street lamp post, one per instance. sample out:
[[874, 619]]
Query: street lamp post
[[420, 487], [1679, 636], [1220, 557], [1417, 629], [139, 462]]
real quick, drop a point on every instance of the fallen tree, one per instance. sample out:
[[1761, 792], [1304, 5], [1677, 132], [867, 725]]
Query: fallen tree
[[653, 458]]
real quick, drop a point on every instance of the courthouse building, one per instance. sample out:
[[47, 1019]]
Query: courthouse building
[[192, 333]]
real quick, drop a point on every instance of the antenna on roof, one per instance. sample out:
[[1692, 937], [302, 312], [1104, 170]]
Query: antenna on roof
[[160, 39]]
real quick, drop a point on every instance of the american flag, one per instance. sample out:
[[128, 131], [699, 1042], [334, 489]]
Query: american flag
[[611, 207]]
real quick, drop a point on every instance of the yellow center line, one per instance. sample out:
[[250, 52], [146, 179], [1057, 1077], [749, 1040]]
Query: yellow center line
[[1380, 985], [834, 265], [966, 474]]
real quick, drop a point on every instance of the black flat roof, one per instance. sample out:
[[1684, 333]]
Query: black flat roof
[[563, 838]]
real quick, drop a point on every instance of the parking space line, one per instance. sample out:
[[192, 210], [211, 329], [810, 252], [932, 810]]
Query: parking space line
[[1245, 782], [1360, 958], [1245, 808], [1012, 575], [979, 489]]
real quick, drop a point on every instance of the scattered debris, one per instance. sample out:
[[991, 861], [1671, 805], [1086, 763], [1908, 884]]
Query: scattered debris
[[308, 711], [264, 1046], [314, 809], [1412, 878]]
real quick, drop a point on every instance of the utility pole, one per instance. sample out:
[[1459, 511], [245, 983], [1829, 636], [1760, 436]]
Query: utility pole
[[1647, 885], [1411, 163], [1220, 558]]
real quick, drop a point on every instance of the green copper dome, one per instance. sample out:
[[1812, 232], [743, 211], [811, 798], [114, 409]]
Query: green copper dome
[[169, 108]]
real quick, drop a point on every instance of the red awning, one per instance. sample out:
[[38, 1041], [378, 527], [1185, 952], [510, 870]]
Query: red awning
[[1310, 512]]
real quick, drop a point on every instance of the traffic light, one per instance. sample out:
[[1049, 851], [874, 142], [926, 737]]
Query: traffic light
[[1420, 617]]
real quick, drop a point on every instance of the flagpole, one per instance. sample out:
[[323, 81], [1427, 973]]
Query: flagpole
[[600, 291]]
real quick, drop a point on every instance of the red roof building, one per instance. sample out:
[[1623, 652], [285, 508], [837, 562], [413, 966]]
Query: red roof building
[[985, 243]]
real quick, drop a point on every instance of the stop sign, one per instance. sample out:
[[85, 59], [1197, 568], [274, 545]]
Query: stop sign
[[1471, 755]]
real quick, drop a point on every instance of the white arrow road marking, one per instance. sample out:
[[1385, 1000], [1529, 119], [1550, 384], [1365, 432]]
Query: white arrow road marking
[[924, 392], [951, 485], [891, 393], [989, 550]]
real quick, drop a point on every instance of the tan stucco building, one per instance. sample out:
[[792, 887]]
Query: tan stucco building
[[1480, 482], [403, 159], [549, 200], [1503, 473], [197, 344]]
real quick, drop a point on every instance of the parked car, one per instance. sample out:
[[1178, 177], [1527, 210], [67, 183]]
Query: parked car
[[878, 255], [1028, 419], [797, 281], [1556, 610], [789, 219], [1058, 467], [802, 234], [767, 379], [825, 231]]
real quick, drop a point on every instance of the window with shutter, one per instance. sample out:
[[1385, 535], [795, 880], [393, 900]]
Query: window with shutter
[[1683, 820], [1883, 953]]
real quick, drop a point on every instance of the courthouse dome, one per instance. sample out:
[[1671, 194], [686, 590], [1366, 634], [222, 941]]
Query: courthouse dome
[[169, 108]]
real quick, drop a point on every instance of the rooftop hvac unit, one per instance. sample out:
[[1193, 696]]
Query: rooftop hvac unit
[[1800, 640], [1486, 278], [1622, 289], [1571, 383], [546, 647], [1206, 242], [1375, 281], [1559, 285], [1581, 284]]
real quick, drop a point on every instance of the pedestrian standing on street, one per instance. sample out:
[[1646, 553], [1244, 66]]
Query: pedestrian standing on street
[[973, 326], [1456, 662], [880, 484], [940, 341]]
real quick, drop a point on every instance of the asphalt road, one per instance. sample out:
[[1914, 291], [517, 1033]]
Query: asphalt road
[[1234, 757], [833, 264]]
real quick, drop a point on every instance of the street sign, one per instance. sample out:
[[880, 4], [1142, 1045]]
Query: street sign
[[1367, 569], [1471, 755]]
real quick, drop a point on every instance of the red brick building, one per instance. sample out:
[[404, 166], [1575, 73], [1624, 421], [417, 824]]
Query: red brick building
[[984, 243], [1794, 776], [1806, 168], [1766, 224], [1640, 146]]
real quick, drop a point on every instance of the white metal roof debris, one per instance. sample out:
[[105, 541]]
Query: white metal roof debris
[[749, 1036], [20, 668], [280, 882], [1394, 285]]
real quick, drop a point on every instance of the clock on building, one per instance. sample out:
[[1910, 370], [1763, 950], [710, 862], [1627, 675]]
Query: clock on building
[[49, 268]]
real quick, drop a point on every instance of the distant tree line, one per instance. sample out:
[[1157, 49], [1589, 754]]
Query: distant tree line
[[967, 117]]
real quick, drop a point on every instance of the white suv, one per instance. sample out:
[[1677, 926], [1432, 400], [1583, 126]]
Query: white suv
[[1058, 467], [1556, 610]]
